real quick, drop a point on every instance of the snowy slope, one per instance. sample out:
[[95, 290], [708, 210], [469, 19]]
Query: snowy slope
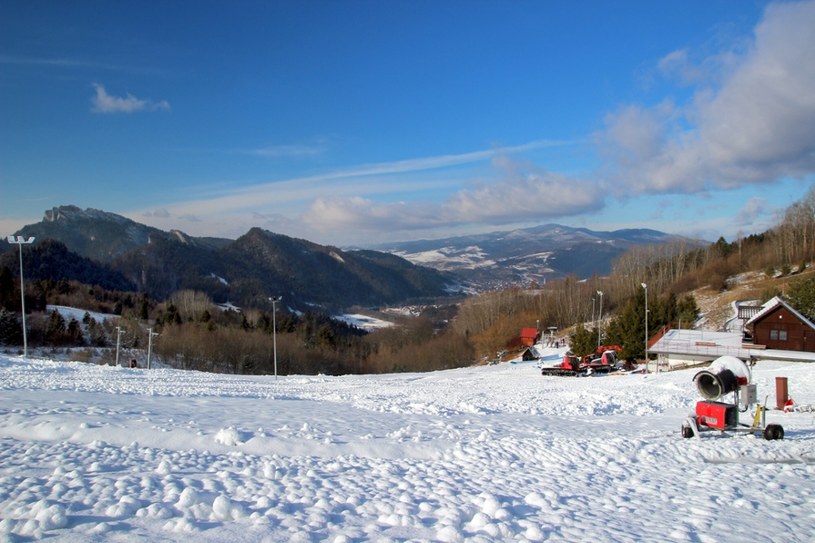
[[498, 453]]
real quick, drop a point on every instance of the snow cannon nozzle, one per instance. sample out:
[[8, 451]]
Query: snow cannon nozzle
[[711, 386], [725, 374]]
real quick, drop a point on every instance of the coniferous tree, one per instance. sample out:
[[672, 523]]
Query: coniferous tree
[[96, 333], [582, 341], [686, 311], [627, 329], [55, 329], [801, 296], [9, 296], [144, 308], [74, 333], [11, 331]]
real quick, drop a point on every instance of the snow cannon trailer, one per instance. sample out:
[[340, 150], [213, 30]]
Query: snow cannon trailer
[[728, 374], [604, 360]]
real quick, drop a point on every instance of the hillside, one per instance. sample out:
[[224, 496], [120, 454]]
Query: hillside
[[246, 271], [529, 255], [717, 308]]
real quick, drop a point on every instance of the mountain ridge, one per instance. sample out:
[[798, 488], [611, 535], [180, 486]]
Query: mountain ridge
[[246, 271], [261, 264], [528, 255]]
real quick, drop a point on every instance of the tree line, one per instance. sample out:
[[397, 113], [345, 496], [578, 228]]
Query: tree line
[[195, 334]]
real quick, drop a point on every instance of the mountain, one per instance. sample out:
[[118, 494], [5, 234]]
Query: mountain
[[246, 271], [95, 234], [51, 259], [528, 255]]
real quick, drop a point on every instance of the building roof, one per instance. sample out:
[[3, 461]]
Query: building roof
[[771, 305], [701, 342], [714, 344]]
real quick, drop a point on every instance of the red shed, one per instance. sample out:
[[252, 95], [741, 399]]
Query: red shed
[[529, 336]]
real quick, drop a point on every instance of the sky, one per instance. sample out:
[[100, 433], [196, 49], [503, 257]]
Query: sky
[[364, 122]]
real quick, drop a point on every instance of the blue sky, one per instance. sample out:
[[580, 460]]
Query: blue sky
[[354, 123]]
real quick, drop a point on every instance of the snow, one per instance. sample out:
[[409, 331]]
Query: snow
[[446, 258], [69, 313], [491, 453], [219, 279], [364, 322], [228, 306]]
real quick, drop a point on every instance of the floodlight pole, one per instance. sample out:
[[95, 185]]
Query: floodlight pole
[[599, 318], [593, 301], [20, 241], [150, 336], [647, 361], [274, 300], [119, 333]]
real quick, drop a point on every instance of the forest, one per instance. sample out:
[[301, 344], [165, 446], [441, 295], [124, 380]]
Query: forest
[[194, 333]]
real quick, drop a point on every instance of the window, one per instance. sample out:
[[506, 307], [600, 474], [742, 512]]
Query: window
[[778, 335]]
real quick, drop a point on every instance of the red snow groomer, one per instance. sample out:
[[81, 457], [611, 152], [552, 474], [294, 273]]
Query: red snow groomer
[[603, 360], [725, 375]]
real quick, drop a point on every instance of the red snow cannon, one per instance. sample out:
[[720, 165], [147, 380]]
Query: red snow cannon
[[726, 375]]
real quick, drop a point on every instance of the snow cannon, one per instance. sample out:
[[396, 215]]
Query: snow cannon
[[726, 375]]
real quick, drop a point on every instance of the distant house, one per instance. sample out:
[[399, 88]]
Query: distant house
[[529, 336], [779, 326], [776, 331], [529, 354]]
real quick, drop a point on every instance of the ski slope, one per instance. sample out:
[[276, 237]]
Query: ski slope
[[494, 453]]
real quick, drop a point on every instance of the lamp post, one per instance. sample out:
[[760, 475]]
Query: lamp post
[[20, 241], [645, 287], [274, 300], [119, 333], [150, 336], [599, 318], [593, 300]]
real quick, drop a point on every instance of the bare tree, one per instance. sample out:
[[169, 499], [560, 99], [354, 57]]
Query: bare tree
[[191, 303]]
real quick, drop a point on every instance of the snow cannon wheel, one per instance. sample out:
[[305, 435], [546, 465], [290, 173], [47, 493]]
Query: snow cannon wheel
[[773, 431], [687, 431]]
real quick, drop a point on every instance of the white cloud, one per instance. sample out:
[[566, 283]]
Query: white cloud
[[756, 127], [677, 64], [752, 210], [524, 193], [366, 180], [160, 213], [102, 102], [362, 214]]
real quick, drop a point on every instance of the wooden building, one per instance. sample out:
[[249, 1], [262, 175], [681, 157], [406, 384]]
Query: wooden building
[[779, 326], [529, 336]]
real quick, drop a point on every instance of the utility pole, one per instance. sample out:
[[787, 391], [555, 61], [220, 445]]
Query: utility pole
[[593, 302], [600, 318], [119, 333], [150, 336], [274, 300], [20, 241], [645, 287]]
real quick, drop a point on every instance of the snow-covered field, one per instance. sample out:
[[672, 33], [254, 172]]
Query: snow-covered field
[[496, 453]]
